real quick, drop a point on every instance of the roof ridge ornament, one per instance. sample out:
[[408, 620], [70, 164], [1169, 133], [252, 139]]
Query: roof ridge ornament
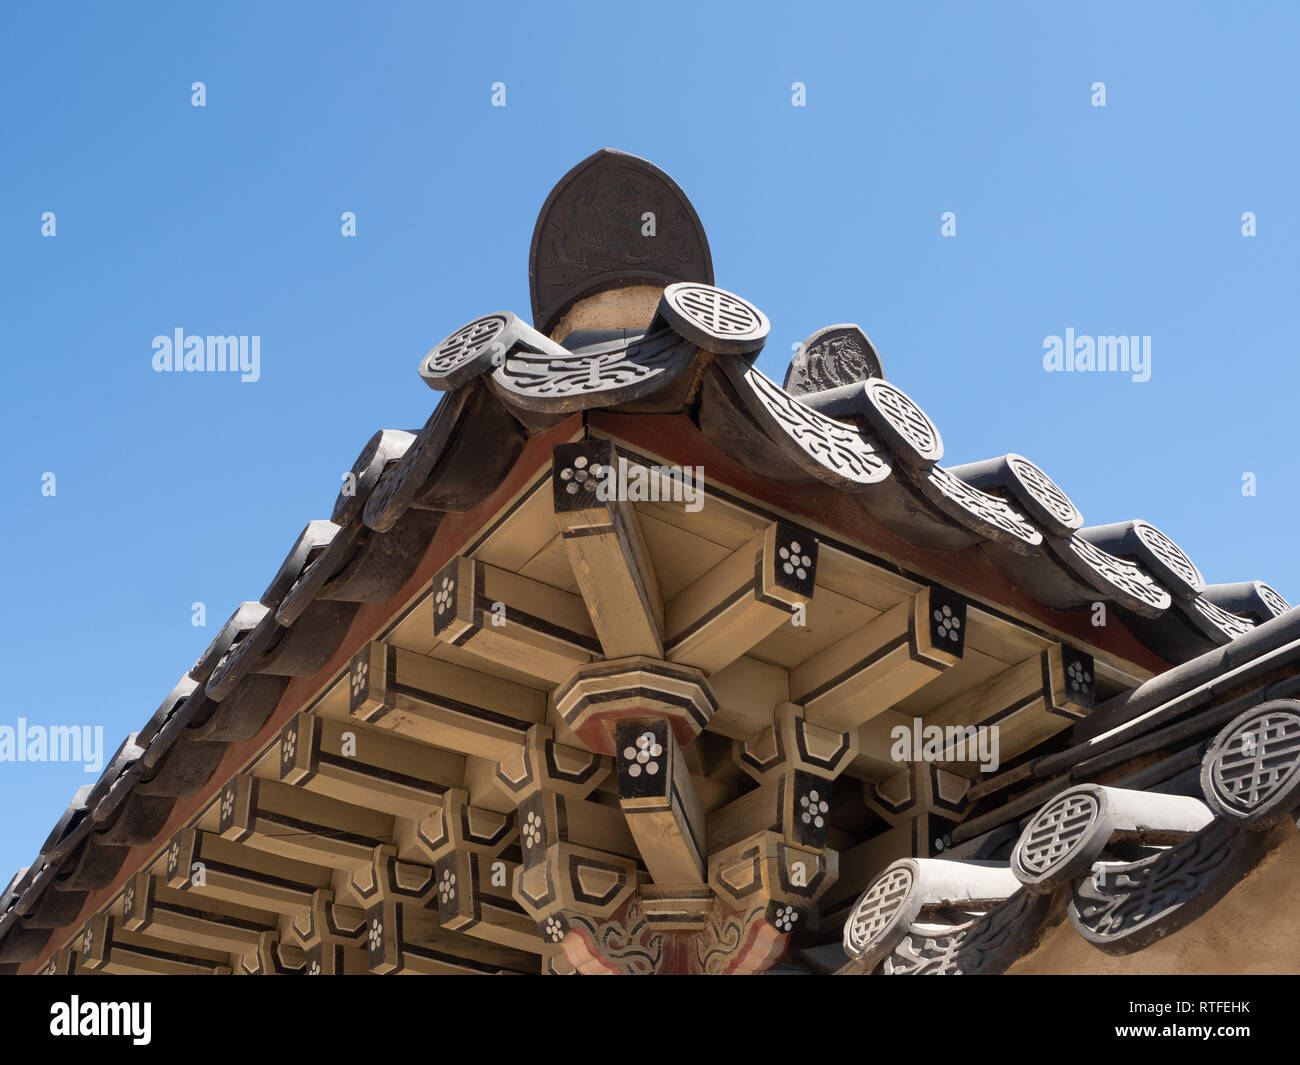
[[833, 356], [614, 220]]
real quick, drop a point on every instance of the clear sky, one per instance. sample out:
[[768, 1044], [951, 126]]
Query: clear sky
[[176, 489]]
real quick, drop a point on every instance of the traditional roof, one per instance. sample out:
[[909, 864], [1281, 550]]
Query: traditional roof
[[1130, 862], [634, 356]]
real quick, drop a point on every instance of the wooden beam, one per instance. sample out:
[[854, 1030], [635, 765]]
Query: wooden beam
[[499, 615], [550, 781], [871, 669], [151, 907], [548, 817], [474, 899], [328, 921], [209, 866], [366, 767], [749, 595], [1026, 704], [457, 825], [607, 550], [331, 959], [747, 691], [108, 947], [859, 865], [677, 907], [404, 939], [281, 819], [436, 702], [795, 764], [792, 743], [658, 797]]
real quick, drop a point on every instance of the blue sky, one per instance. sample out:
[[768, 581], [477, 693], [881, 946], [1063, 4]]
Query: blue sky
[[173, 489]]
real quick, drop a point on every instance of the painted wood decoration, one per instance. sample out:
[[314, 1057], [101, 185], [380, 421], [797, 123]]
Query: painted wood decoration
[[631, 660]]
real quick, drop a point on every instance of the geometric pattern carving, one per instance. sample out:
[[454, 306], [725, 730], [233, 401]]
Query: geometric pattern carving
[[1275, 603], [1250, 776], [986, 514], [879, 908], [1136, 903], [1251, 772], [1055, 832], [470, 350], [714, 319], [1251, 779], [984, 945], [1079, 679], [947, 620], [558, 381], [1175, 560], [924, 910], [1146, 545], [902, 424], [1072, 830], [1216, 622], [1045, 492], [1255, 599], [810, 816], [578, 475], [1129, 585], [829, 450], [642, 769], [795, 565], [1015, 477]]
